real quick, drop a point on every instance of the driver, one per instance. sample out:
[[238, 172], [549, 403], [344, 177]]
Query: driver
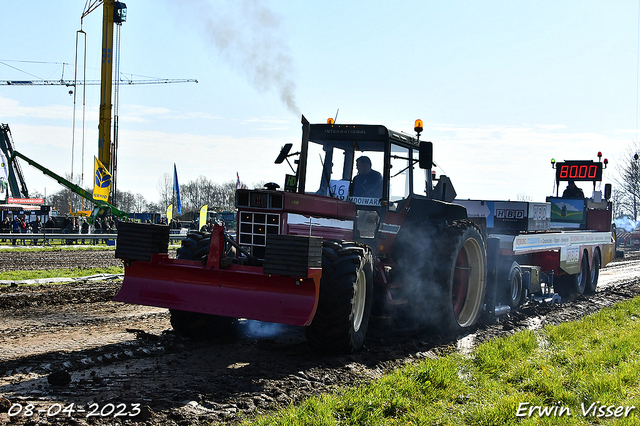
[[572, 191], [368, 182]]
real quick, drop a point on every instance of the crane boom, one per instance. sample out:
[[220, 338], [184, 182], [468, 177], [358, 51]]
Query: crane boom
[[113, 12], [101, 205], [72, 83]]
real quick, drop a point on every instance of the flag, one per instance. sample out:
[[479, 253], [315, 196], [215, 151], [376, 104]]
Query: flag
[[169, 213], [238, 184], [203, 216], [4, 172], [176, 187], [101, 181]]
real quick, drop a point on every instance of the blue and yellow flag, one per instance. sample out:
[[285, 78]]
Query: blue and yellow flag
[[176, 187], [101, 181]]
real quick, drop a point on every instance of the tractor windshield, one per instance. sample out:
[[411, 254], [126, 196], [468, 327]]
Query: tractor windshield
[[346, 170]]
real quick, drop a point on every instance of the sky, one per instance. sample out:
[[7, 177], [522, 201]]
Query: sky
[[502, 86]]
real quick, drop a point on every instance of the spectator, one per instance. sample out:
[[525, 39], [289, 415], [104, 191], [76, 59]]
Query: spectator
[[35, 228], [84, 228], [15, 228], [6, 227], [50, 223], [24, 227], [67, 225]]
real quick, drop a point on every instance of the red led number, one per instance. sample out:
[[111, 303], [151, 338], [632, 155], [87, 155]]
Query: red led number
[[578, 172]]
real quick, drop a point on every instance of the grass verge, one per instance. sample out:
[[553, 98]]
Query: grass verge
[[59, 273], [576, 373]]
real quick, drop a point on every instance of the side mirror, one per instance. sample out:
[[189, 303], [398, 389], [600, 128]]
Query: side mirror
[[607, 191], [284, 152], [426, 155]]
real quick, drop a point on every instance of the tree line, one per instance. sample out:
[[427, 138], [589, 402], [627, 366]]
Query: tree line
[[193, 194], [626, 188]]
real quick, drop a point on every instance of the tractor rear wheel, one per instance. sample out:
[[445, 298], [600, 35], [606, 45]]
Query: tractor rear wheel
[[346, 295], [460, 280], [195, 324]]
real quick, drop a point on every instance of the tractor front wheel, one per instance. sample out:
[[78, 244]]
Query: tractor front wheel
[[195, 324], [346, 295]]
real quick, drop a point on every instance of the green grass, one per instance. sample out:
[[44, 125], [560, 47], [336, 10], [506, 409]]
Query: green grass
[[57, 273], [594, 360]]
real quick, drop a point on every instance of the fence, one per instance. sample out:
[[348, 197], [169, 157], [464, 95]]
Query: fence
[[51, 236]]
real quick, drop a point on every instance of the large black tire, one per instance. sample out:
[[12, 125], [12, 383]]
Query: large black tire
[[195, 247], [195, 324], [456, 298], [346, 294], [594, 274], [510, 286], [574, 285]]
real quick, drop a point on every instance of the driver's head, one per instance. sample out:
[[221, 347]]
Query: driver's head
[[363, 164]]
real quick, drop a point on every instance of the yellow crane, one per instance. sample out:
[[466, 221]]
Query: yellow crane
[[113, 13]]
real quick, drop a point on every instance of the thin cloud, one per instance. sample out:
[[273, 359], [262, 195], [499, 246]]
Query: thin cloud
[[10, 108]]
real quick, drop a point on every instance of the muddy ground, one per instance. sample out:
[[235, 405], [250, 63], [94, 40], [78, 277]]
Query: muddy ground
[[67, 346]]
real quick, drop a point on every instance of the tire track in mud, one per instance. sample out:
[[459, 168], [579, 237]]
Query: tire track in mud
[[126, 353], [57, 259]]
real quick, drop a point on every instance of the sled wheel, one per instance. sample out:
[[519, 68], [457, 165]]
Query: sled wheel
[[346, 295], [512, 289], [571, 286], [594, 274]]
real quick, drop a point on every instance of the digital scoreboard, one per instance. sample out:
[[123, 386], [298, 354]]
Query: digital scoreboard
[[579, 171]]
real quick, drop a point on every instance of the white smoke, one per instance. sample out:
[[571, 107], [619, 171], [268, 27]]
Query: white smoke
[[247, 34], [260, 330], [626, 223]]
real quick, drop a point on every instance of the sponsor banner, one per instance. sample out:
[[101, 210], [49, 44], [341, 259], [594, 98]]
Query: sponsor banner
[[12, 200], [4, 172], [203, 216], [365, 201], [101, 181], [556, 240]]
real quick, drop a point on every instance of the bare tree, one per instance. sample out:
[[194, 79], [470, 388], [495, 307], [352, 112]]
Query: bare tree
[[140, 204], [126, 201], [165, 190], [629, 181]]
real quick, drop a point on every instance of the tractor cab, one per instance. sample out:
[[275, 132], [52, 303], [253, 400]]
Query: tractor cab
[[381, 173]]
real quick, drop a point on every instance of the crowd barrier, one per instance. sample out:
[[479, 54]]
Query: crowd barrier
[[56, 236]]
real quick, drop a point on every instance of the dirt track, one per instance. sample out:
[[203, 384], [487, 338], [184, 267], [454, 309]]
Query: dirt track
[[124, 354]]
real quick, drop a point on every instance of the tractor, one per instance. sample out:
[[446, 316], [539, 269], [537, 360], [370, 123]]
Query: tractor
[[361, 224]]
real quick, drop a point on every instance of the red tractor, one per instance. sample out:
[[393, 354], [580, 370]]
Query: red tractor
[[326, 248]]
